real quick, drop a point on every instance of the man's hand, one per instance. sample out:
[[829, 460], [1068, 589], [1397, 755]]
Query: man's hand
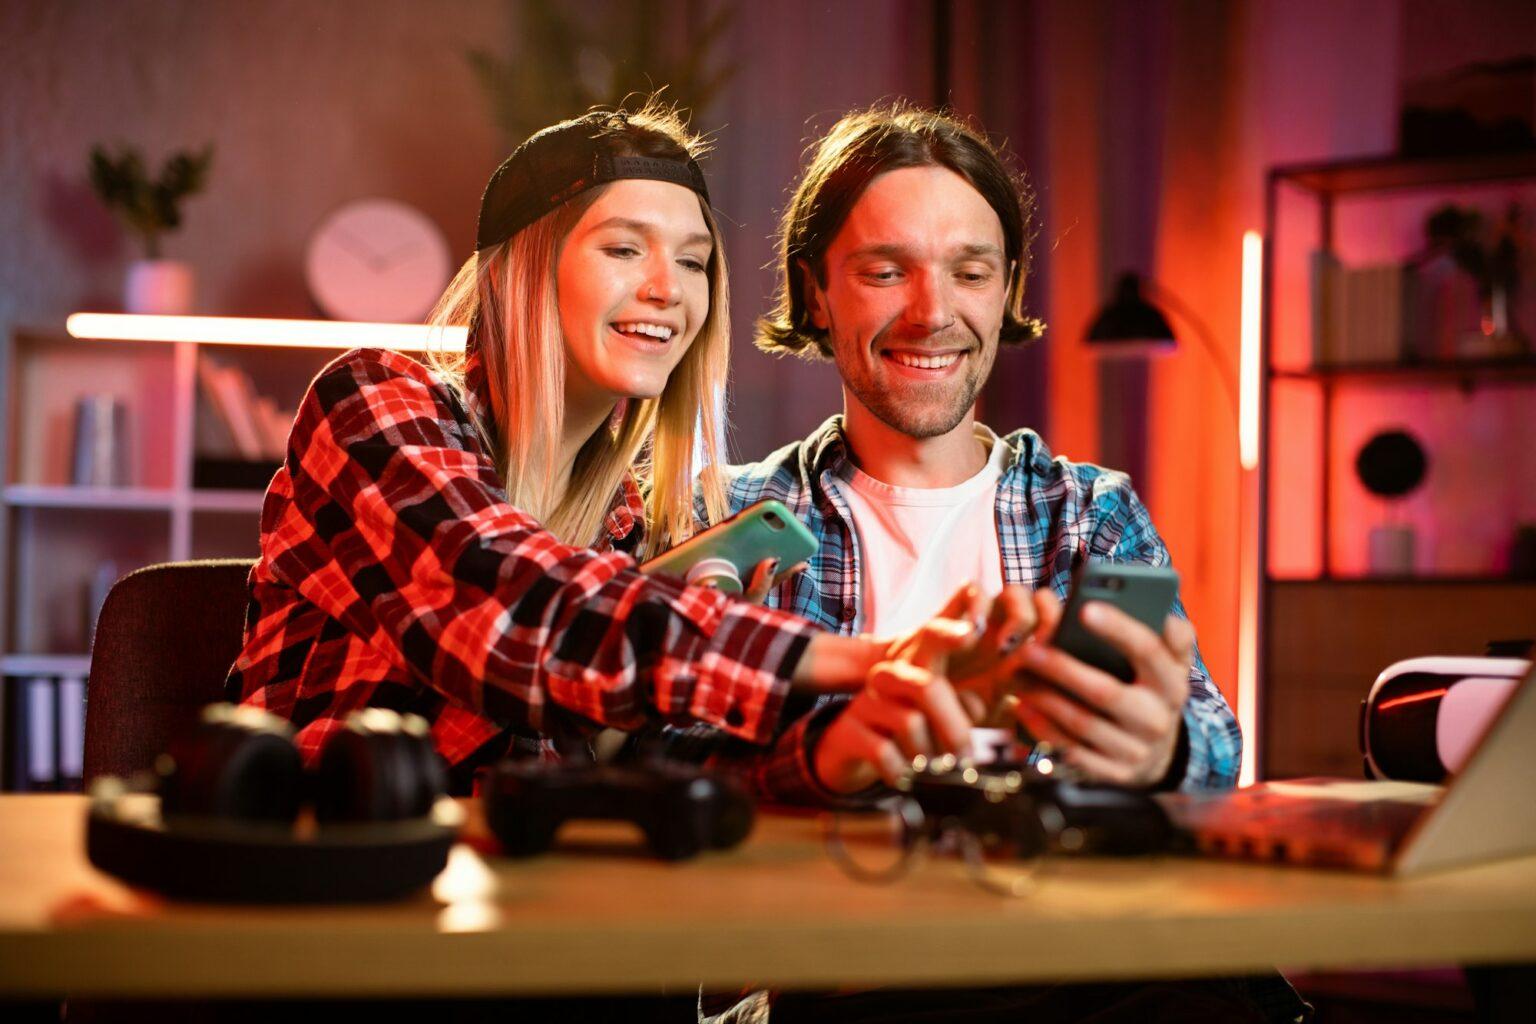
[[1113, 732], [985, 669], [906, 708]]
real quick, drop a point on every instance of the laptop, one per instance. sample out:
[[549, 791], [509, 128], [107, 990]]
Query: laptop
[[1488, 811]]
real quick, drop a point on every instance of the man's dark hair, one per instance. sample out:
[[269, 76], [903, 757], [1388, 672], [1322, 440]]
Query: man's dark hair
[[862, 146]]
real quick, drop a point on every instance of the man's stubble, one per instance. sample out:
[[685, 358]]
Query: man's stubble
[[919, 409]]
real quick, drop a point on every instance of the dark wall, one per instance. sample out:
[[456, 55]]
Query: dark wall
[[800, 66], [308, 105]]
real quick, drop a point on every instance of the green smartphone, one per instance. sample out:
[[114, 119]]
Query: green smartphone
[[726, 553], [1143, 592]]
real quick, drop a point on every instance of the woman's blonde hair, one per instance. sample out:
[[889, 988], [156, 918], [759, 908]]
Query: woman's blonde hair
[[506, 295]]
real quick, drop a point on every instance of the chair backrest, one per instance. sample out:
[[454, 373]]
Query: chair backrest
[[165, 639]]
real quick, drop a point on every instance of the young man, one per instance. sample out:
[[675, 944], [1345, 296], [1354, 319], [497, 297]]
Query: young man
[[903, 258]]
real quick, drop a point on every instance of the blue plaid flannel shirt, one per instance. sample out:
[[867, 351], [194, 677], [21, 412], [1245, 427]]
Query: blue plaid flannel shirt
[[1052, 515]]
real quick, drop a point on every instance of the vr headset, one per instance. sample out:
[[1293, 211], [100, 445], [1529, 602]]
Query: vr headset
[[1424, 716]]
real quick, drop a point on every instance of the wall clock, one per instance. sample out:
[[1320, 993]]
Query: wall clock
[[376, 259]]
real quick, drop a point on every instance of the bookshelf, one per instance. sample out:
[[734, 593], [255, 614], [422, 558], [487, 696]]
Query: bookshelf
[[1464, 373], [1328, 623], [63, 544]]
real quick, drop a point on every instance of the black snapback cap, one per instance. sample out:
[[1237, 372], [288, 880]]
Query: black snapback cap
[[562, 161]]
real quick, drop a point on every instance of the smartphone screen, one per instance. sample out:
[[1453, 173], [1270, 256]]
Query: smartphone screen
[[1143, 592]]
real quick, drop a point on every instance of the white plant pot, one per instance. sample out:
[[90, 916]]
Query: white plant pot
[[162, 287], [1390, 550]]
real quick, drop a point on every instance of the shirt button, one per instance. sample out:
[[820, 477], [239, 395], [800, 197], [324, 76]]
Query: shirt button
[[734, 718], [848, 613]]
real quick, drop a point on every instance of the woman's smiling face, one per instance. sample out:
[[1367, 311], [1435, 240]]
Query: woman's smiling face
[[632, 280]]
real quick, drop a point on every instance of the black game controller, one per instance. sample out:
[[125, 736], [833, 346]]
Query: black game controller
[[1034, 812], [991, 802], [681, 809]]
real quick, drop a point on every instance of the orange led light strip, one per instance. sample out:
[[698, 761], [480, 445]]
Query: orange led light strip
[[239, 330]]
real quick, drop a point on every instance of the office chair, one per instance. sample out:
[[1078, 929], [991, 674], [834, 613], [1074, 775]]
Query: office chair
[[165, 639]]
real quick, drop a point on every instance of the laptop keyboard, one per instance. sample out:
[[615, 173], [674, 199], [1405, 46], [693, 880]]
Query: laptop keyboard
[[1380, 817], [1259, 825]]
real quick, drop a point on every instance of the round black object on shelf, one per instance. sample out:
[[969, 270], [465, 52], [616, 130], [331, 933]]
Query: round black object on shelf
[[1391, 464]]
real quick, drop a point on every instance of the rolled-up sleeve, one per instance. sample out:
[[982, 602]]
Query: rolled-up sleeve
[[1214, 741], [399, 529]]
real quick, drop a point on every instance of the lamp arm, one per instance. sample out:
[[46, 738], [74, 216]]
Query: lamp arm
[[1224, 368]]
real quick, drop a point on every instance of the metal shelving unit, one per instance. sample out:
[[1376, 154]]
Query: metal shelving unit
[[1328, 186]]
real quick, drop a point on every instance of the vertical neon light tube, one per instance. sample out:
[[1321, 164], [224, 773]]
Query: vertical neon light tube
[[1248, 367], [1248, 511]]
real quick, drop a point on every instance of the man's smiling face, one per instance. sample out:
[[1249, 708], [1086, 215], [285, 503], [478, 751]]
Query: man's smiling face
[[914, 290]]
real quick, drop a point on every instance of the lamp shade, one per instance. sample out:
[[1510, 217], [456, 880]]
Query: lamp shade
[[1130, 324]]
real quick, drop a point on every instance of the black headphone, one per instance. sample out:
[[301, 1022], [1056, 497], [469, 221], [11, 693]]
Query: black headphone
[[239, 819]]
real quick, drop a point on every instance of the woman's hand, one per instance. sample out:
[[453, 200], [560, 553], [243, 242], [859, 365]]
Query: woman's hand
[[982, 665], [833, 663], [906, 709], [985, 670], [765, 576]]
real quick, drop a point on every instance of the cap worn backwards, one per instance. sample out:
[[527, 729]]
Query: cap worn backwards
[[560, 162]]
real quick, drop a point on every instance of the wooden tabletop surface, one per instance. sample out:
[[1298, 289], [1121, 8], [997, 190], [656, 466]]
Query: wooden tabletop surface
[[774, 912]]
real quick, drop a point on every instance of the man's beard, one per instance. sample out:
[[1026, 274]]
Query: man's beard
[[919, 409]]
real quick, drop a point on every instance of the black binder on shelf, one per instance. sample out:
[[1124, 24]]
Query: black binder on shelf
[[45, 733]]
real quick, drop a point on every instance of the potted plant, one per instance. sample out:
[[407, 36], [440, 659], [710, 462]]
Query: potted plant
[[567, 62], [151, 208]]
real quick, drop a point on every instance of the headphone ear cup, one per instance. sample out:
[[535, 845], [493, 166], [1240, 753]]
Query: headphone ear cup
[[432, 771], [377, 770], [409, 791], [343, 782], [231, 770]]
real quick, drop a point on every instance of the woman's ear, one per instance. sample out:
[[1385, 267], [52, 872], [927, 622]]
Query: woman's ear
[[814, 295]]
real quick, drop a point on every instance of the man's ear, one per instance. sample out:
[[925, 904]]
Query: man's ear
[[814, 295]]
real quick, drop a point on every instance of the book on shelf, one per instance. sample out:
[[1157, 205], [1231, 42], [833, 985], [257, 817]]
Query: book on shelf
[[245, 424], [274, 425], [1357, 312], [212, 436], [230, 393], [99, 457]]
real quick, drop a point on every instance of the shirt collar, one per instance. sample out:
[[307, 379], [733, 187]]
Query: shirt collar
[[628, 510], [627, 513], [827, 447], [475, 395]]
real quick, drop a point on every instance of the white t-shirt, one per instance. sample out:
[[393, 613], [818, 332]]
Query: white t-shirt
[[918, 545]]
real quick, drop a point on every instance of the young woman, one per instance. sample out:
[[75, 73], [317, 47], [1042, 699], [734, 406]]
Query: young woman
[[461, 541]]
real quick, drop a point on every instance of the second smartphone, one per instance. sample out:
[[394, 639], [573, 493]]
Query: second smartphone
[[1143, 592]]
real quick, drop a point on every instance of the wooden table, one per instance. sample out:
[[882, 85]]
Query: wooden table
[[774, 912]]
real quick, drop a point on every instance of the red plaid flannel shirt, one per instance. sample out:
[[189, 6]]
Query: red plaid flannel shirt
[[395, 573]]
